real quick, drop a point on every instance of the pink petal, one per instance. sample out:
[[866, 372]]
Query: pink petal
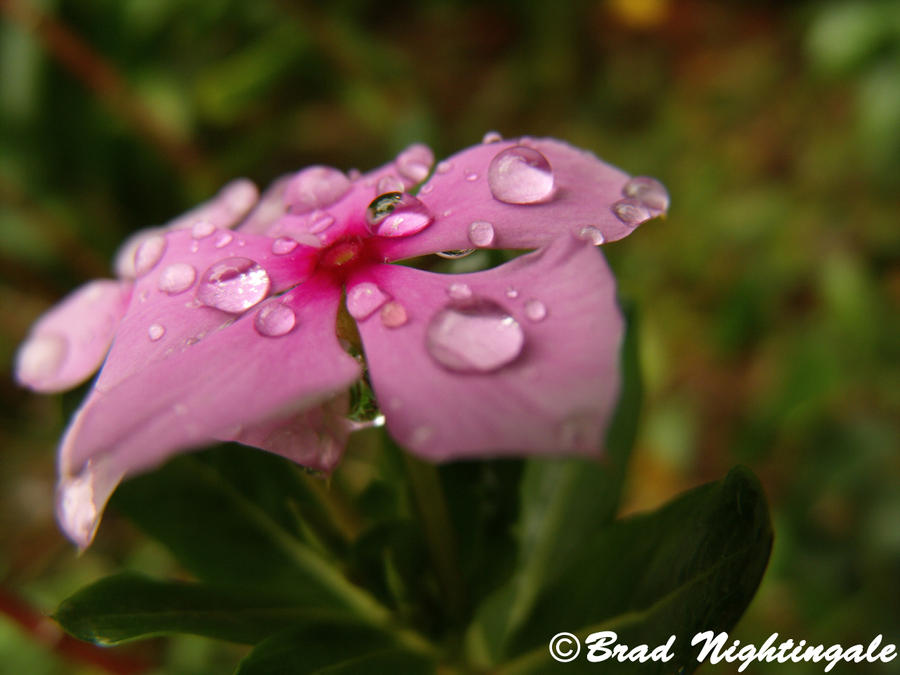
[[68, 344], [269, 208], [557, 381], [81, 499], [458, 195]]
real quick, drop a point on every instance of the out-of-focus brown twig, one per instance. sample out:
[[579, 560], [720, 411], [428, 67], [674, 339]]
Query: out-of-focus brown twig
[[101, 77]]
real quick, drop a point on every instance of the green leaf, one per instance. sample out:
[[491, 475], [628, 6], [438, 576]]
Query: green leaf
[[130, 606], [691, 566]]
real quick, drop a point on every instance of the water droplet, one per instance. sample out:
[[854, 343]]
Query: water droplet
[[427, 189], [455, 254], [233, 285], [195, 246], [148, 254], [471, 176], [283, 245], [631, 212], [447, 213], [315, 188], [397, 215], [512, 293], [223, 239], [444, 167], [275, 320], [649, 191], [363, 299], [475, 335], [202, 229], [389, 183], [535, 310], [320, 222], [420, 436], [177, 278], [415, 162], [481, 233], [156, 331], [520, 175], [492, 137], [41, 357], [393, 314], [459, 291], [591, 234]]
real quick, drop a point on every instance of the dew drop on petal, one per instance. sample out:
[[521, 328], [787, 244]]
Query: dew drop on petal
[[320, 221], [363, 299], [459, 291], [456, 253], [471, 176], [41, 357], [649, 191], [475, 335], [223, 240], [591, 234], [274, 320], [195, 246], [631, 211], [535, 310], [397, 215], [233, 285], [156, 331], [415, 162], [283, 245], [176, 278], [427, 189], [315, 188], [389, 183], [202, 229], [481, 233], [148, 254], [512, 293], [520, 175], [444, 167], [393, 314], [492, 137]]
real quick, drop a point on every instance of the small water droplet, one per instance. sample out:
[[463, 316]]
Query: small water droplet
[[41, 357], [475, 335], [148, 254], [455, 254], [363, 299], [444, 167], [481, 233], [512, 293], [397, 215], [275, 320], [591, 234], [195, 246], [389, 183], [393, 314], [415, 162], [631, 211], [427, 189], [535, 310], [283, 245], [320, 221], [202, 229], [233, 285], [459, 291], [177, 278], [648, 190], [447, 213], [156, 331], [520, 175], [315, 188], [223, 239], [492, 137], [471, 176]]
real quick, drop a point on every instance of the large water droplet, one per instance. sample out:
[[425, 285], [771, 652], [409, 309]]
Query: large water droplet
[[233, 285], [481, 233], [283, 245], [363, 299], [397, 214], [393, 314], [156, 331], [456, 253], [459, 291], [535, 310], [275, 320], [520, 175], [415, 162], [202, 229], [631, 211], [649, 191], [591, 234], [315, 188], [148, 254], [475, 335], [492, 137], [41, 357], [177, 278]]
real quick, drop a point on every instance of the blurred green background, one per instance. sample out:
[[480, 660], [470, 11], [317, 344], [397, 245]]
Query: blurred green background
[[768, 299]]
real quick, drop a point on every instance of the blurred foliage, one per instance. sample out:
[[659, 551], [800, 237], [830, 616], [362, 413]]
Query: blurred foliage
[[769, 297]]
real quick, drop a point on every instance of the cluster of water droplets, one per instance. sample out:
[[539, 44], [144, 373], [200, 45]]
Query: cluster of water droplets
[[644, 198]]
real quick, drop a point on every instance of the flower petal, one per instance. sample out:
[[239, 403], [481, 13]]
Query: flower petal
[[524, 360], [68, 344], [459, 194]]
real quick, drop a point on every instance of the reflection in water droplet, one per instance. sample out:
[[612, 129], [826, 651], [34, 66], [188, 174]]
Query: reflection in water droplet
[[393, 314], [492, 137], [481, 233], [591, 234], [315, 188], [397, 215], [233, 285], [202, 229], [631, 211], [177, 278], [283, 245], [156, 331], [389, 183], [520, 175], [224, 239], [41, 357], [535, 310], [649, 191], [363, 299], [475, 335], [148, 254], [455, 254], [415, 162], [459, 291], [275, 320]]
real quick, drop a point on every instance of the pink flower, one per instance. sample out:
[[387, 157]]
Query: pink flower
[[223, 324]]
